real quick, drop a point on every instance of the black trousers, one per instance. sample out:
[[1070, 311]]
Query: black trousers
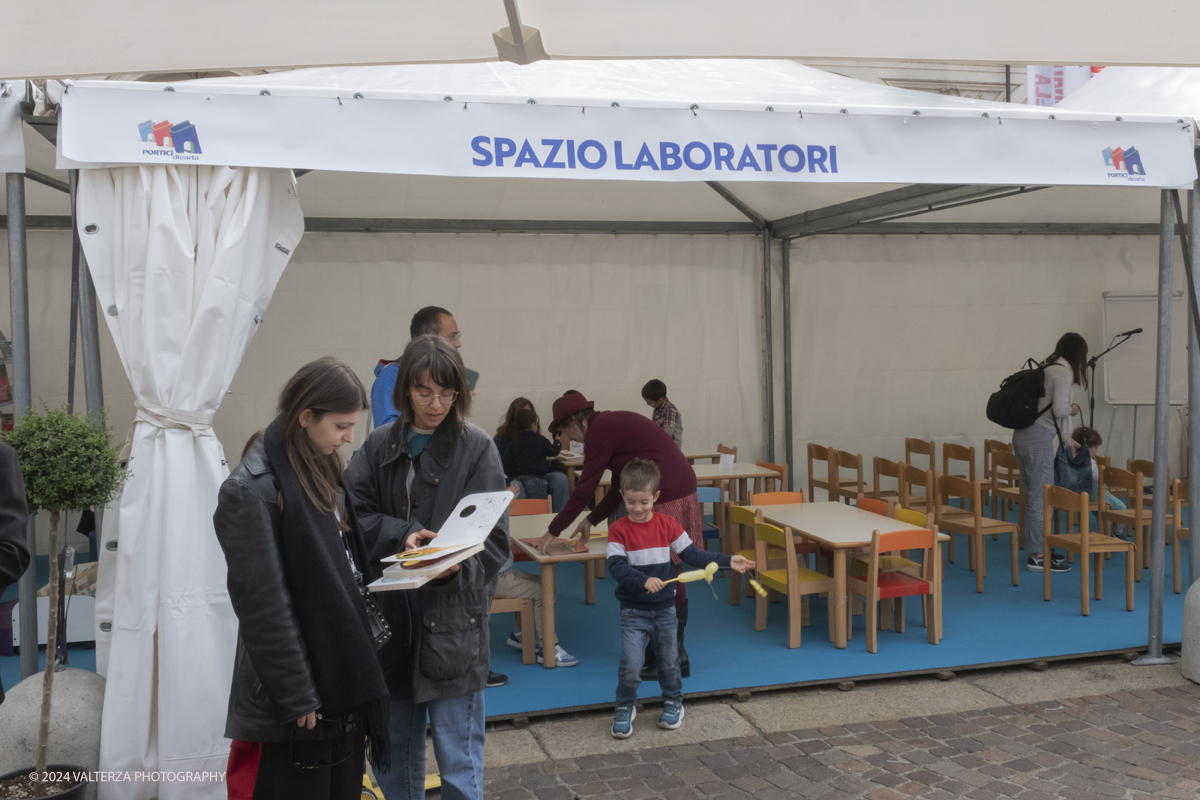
[[279, 779]]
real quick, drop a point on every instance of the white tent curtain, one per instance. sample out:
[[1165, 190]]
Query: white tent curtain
[[185, 260]]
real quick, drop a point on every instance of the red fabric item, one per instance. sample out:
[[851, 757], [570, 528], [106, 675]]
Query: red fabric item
[[565, 406], [242, 771], [614, 438]]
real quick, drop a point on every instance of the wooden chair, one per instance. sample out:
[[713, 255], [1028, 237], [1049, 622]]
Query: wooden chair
[[882, 468], [524, 507], [730, 451], [853, 487], [524, 609], [1079, 539], [1147, 469], [878, 585], [1179, 494], [974, 525], [1135, 518], [881, 507], [1005, 489], [991, 446], [718, 496], [792, 580], [817, 453], [741, 517], [913, 478], [957, 452], [780, 478], [920, 447]]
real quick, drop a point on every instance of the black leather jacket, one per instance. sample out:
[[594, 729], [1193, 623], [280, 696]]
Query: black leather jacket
[[272, 681]]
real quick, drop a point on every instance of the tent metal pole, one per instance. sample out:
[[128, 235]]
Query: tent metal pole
[[1162, 419], [1193, 388], [769, 445], [89, 333], [785, 264], [18, 288]]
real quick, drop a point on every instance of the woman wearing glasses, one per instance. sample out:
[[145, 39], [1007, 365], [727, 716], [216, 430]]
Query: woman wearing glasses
[[405, 481]]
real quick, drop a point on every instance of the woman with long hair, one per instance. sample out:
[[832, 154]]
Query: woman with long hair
[[307, 685], [524, 452], [406, 481], [1034, 446]]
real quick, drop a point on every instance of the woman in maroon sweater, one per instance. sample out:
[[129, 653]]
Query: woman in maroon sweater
[[611, 439]]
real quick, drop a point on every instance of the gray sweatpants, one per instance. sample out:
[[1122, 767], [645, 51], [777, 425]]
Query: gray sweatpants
[[1034, 448]]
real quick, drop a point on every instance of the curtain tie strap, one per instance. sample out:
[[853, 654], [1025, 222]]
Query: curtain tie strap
[[198, 422]]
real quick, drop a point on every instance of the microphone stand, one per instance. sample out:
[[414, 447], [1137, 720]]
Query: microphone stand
[[1092, 380]]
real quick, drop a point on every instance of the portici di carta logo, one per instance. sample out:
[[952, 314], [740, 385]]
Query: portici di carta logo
[[1124, 163], [179, 141]]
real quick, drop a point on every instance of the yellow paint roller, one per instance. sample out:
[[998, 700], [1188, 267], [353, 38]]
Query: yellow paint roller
[[705, 574]]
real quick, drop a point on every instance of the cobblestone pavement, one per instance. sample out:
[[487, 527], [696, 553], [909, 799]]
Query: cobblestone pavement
[[1137, 745]]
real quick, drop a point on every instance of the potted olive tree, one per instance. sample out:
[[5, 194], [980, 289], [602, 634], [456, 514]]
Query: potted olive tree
[[69, 464]]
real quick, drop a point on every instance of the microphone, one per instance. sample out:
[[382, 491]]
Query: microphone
[[1130, 333]]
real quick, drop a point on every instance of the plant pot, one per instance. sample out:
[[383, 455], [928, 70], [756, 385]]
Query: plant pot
[[76, 790]]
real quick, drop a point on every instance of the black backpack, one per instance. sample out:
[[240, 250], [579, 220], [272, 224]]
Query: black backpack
[[1016, 404]]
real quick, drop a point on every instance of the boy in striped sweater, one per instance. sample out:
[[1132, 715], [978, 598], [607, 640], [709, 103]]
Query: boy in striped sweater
[[639, 558]]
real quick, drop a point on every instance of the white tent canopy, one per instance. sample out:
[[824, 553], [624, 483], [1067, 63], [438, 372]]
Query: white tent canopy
[[239, 34], [950, 141], [670, 121]]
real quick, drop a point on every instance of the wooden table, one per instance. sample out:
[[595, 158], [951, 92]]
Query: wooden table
[[840, 528], [739, 477], [531, 525]]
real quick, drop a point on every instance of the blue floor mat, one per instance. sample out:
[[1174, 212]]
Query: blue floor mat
[[1005, 623]]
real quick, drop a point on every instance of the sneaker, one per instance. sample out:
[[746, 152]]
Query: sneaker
[[514, 639], [561, 657], [496, 679], [623, 722], [672, 716], [1037, 564]]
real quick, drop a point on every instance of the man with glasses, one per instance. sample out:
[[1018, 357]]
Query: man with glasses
[[429, 320]]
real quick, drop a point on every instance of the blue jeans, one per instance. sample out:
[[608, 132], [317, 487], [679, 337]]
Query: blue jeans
[[457, 725], [661, 628], [555, 484]]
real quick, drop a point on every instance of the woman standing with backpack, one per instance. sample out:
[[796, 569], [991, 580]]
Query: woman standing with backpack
[[1035, 448]]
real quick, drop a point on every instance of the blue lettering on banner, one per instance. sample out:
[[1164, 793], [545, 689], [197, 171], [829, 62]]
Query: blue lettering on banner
[[791, 148], [816, 158], [644, 159], [477, 144], [555, 145], [504, 149], [617, 150], [722, 154], [668, 155], [526, 156], [766, 151], [599, 148], [593, 154], [701, 146], [747, 160]]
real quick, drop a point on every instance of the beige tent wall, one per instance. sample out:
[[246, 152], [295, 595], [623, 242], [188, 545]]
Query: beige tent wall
[[909, 335], [539, 315]]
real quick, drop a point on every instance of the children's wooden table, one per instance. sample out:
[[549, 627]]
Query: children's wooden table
[[535, 525], [841, 528]]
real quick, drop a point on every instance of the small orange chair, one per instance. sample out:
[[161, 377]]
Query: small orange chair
[[877, 585]]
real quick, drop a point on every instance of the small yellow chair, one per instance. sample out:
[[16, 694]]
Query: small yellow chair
[[792, 580]]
